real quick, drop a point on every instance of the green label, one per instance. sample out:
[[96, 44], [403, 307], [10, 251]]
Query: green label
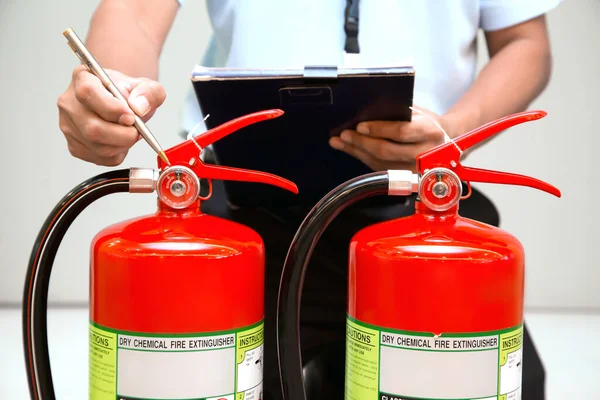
[[386, 364], [226, 365]]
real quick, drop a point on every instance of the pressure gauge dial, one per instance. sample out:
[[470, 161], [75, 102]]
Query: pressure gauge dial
[[178, 187], [440, 189]]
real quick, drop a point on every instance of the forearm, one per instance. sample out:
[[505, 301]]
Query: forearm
[[128, 36], [512, 79]]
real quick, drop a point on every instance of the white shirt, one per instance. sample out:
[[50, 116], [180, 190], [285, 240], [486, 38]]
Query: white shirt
[[439, 36]]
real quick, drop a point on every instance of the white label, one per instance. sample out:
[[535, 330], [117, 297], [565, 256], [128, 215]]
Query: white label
[[383, 365], [250, 370], [175, 375], [226, 366]]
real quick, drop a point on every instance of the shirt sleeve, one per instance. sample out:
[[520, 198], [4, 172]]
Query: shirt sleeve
[[500, 14], [180, 2]]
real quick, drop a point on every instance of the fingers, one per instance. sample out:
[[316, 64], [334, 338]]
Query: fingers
[[90, 92], [382, 149], [79, 150], [145, 97], [97, 126], [392, 130], [368, 158], [91, 138], [392, 144], [357, 152], [100, 154], [397, 131], [96, 133], [420, 129]]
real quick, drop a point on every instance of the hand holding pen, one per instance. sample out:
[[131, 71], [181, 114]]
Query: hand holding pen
[[96, 112]]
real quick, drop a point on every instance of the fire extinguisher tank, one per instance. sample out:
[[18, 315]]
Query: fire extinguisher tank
[[435, 300], [176, 297], [436, 272], [177, 271]]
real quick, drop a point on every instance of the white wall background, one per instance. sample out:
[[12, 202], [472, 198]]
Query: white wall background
[[560, 235]]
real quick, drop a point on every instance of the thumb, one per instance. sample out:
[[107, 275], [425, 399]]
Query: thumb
[[145, 97]]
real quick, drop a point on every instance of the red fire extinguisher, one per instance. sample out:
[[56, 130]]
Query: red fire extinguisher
[[435, 300], [176, 297]]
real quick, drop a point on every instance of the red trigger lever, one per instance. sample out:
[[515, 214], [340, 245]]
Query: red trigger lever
[[188, 154], [448, 155]]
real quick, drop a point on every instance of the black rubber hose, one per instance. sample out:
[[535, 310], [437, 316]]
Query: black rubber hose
[[35, 296], [294, 269]]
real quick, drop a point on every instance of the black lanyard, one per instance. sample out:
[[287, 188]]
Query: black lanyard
[[351, 26]]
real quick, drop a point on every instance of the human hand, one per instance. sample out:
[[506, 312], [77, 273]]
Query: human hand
[[99, 127], [384, 145]]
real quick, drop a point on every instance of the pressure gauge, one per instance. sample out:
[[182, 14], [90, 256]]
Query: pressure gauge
[[440, 189], [178, 187]]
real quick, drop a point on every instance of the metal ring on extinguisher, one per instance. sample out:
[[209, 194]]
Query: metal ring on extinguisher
[[178, 187], [440, 189]]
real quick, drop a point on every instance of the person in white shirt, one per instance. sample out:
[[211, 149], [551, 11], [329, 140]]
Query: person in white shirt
[[439, 35]]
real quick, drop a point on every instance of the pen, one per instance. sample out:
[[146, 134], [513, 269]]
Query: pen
[[94, 67]]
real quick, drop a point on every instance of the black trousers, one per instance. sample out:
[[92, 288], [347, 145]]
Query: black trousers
[[323, 308]]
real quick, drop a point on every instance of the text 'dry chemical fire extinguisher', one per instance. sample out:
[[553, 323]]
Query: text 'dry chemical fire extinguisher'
[[176, 297], [435, 300]]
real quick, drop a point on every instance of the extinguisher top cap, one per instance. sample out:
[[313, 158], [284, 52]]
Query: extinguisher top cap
[[448, 155], [188, 154]]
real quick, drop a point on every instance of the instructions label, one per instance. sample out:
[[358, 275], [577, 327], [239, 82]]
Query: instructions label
[[103, 364], [382, 364], [213, 366], [249, 360]]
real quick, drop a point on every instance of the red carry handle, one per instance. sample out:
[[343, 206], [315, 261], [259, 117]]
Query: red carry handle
[[447, 155], [188, 154]]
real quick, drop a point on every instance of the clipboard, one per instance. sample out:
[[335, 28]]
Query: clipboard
[[318, 102]]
